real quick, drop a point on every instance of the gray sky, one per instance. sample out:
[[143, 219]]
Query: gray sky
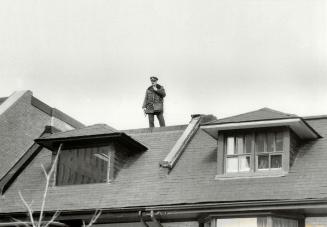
[[93, 58]]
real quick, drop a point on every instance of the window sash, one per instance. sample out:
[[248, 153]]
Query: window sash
[[269, 161], [239, 164], [230, 145], [271, 142], [243, 151]]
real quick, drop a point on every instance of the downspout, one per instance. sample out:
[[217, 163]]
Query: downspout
[[153, 218], [142, 220]]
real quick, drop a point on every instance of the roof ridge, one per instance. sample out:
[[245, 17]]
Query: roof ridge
[[155, 130], [266, 109], [276, 111], [238, 115]]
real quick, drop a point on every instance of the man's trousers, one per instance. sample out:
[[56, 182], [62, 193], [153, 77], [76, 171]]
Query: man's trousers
[[160, 119]]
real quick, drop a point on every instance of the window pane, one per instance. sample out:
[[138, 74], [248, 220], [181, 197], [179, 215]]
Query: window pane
[[230, 145], [276, 161], [262, 222], [283, 222], [263, 162], [239, 144], [270, 142], [260, 142], [237, 222], [244, 163], [279, 141], [232, 165], [248, 143]]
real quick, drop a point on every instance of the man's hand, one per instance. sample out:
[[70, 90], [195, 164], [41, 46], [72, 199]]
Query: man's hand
[[144, 110]]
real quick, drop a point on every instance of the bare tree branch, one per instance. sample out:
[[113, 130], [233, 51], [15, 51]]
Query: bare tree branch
[[93, 219], [97, 214], [48, 178], [56, 214], [40, 222], [44, 171], [29, 209], [20, 222]]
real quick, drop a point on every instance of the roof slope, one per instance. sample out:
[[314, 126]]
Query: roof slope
[[21, 121], [257, 115], [2, 99], [97, 129], [142, 183]]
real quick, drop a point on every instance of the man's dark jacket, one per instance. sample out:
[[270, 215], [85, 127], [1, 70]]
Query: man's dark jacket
[[153, 100]]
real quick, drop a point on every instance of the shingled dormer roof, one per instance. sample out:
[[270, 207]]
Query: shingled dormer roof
[[262, 118], [97, 129], [257, 115], [99, 133]]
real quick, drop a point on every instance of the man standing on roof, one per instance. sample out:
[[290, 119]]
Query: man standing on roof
[[153, 102]]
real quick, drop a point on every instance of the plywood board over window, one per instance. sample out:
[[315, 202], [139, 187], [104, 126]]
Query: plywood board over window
[[84, 165]]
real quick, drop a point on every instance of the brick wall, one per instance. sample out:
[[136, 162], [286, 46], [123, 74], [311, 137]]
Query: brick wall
[[20, 124]]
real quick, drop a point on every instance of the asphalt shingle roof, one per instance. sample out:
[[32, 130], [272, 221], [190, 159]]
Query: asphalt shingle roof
[[2, 99], [257, 115], [97, 129], [141, 182]]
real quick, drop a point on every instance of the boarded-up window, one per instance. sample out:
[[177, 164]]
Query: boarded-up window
[[83, 165]]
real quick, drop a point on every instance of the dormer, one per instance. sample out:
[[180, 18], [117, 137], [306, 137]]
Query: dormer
[[93, 154], [261, 143]]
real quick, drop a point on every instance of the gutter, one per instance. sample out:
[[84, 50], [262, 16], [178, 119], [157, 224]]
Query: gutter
[[196, 210], [165, 210], [23, 223]]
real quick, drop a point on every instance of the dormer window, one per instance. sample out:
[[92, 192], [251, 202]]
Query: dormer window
[[93, 154], [253, 151], [84, 165], [260, 143]]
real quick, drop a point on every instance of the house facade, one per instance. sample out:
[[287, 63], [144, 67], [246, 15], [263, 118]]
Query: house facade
[[263, 168]]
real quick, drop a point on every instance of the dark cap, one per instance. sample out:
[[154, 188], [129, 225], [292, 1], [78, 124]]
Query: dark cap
[[153, 78]]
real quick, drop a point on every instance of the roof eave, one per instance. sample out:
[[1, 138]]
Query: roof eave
[[298, 125], [53, 143]]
